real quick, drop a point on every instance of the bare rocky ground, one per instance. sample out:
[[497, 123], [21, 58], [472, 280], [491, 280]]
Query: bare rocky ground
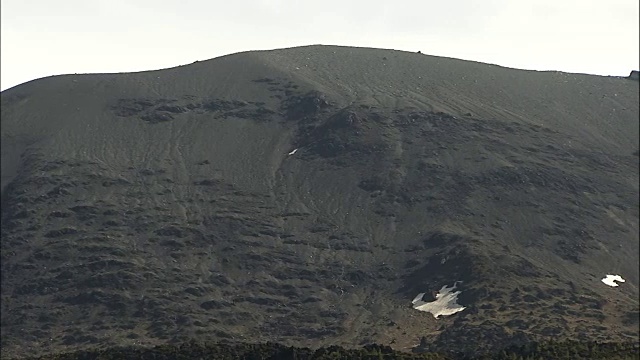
[[157, 207]]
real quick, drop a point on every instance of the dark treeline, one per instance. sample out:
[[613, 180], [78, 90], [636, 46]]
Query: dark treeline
[[534, 351]]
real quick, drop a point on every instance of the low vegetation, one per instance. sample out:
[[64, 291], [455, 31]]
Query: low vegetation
[[192, 350]]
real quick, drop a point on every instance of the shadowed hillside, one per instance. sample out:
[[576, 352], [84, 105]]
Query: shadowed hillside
[[307, 195]]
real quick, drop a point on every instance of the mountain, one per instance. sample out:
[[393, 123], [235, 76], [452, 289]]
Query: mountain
[[307, 195]]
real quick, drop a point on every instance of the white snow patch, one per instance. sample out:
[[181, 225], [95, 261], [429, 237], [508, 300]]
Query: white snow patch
[[611, 280], [293, 151], [446, 302]]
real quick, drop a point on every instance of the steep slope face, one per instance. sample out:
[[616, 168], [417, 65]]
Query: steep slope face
[[307, 195]]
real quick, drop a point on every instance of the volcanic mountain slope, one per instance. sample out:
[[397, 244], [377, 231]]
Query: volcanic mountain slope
[[307, 195]]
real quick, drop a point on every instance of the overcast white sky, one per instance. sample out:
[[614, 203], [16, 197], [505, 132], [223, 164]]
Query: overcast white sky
[[46, 37]]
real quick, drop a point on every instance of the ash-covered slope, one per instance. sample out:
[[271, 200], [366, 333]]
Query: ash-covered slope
[[307, 195]]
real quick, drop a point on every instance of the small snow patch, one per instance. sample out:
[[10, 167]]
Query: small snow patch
[[611, 280], [293, 151], [446, 302]]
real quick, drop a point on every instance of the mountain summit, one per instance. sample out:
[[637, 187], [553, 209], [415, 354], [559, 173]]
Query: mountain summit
[[313, 196]]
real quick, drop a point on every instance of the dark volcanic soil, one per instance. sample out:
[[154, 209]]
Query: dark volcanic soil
[[160, 206]]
